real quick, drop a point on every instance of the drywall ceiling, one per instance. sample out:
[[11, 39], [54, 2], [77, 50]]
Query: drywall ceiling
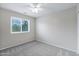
[[47, 8]]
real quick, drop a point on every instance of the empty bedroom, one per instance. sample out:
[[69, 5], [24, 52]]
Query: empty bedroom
[[39, 29]]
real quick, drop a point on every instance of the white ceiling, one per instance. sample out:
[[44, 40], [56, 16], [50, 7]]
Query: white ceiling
[[47, 8]]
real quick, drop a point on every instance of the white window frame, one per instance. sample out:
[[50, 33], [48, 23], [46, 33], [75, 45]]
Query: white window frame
[[12, 17]]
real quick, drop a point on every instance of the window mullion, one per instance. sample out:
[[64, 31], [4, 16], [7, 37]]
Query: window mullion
[[21, 24]]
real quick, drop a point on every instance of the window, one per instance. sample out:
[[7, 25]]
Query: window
[[19, 25]]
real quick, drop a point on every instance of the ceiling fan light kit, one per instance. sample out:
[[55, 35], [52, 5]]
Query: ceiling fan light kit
[[35, 7]]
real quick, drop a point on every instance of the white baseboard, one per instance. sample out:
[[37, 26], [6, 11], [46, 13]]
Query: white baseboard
[[53, 44], [16, 45], [77, 51]]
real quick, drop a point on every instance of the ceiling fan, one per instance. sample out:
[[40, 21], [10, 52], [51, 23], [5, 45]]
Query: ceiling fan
[[35, 7]]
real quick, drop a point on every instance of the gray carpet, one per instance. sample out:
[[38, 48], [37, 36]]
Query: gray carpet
[[36, 48]]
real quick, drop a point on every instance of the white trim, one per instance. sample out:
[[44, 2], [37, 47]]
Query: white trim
[[21, 24], [53, 44], [15, 45]]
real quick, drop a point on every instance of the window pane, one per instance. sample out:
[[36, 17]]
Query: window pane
[[16, 25], [24, 25]]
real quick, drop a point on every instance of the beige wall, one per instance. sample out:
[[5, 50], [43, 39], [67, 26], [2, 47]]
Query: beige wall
[[58, 29], [6, 38]]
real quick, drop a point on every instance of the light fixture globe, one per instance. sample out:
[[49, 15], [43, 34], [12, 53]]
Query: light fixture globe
[[35, 7]]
